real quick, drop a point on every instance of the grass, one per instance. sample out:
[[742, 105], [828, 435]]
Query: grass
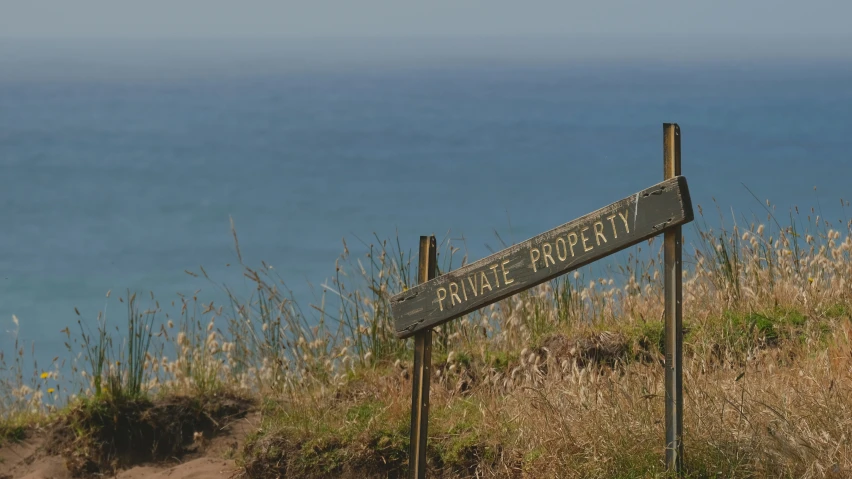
[[363, 432], [354, 434], [563, 380], [14, 429], [103, 435]]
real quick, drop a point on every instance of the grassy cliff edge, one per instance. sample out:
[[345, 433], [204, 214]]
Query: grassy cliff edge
[[564, 380]]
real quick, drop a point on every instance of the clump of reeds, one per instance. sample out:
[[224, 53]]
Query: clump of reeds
[[118, 366]]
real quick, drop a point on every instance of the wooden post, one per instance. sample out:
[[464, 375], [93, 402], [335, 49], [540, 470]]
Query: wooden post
[[422, 371], [673, 313]]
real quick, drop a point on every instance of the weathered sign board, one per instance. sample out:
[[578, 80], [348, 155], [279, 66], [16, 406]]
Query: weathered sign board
[[660, 209], [558, 251]]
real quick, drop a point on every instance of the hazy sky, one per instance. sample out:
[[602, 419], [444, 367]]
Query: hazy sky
[[318, 18]]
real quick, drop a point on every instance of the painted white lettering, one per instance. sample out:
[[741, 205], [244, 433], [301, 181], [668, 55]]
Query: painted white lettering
[[471, 280], [534, 255], [454, 293], [562, 255], [546, 250], [483, 283], [583, 236], [612, 222], [506, 279], [572, 242], [624, 219], [493, 269], [599, 233], [441, 297]]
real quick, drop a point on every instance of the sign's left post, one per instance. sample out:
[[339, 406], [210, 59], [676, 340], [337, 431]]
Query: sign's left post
[[427, 267]]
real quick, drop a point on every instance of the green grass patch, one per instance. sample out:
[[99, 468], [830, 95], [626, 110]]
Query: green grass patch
[[463, 358], [501, 360], [97, 436], [364, 434], [10, 433], [460, 440], [15, 427], [764, 328], [361, 414], [356, 436], [650, 337], [837, 310]]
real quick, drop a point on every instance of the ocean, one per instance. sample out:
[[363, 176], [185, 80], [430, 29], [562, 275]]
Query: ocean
[[123, 177]]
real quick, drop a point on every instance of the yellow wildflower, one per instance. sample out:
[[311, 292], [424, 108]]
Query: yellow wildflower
[[45, 375], [50, 390]]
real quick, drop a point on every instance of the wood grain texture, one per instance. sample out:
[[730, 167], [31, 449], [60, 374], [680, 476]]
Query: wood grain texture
[[422, 371], [543, 257], [673, 311]]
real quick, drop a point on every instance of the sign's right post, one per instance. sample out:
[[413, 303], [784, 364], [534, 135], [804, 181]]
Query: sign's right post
[[673, 314]]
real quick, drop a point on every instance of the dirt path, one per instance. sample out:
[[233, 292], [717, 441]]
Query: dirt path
[[214, 458]]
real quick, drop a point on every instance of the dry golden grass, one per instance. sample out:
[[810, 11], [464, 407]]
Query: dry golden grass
[[786, 412]]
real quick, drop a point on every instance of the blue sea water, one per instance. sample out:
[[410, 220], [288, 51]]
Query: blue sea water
[[111, 181]]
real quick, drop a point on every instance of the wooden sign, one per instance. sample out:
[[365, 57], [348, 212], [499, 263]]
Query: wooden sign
[[558, 251]]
